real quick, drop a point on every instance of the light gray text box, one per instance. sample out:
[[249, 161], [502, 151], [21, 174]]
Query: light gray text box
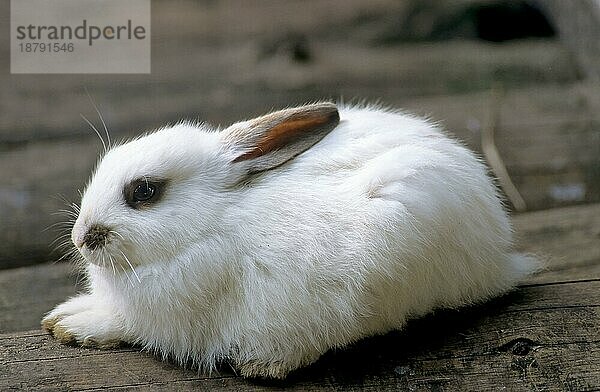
[[80, 36]]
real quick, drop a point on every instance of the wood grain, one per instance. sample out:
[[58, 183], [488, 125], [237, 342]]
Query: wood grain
[[567, 239], [542, 336], [226, 61], [513, 343], [26, 294], [578, 25]]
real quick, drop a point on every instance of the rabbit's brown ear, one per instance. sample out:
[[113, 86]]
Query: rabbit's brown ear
[[271, 140]]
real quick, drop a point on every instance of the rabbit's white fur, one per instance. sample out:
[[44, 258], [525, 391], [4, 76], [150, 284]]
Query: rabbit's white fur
[[383, 220]]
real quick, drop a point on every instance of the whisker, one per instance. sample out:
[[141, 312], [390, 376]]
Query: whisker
[[100, 256], [70, 213], [112, 263], [67, 202], [62, 243], [71, 253], [63, 247], [67, 221], [130, 266], [79, 265], [127, 276], [117, 234], [59, 225], [60, 238], [60, 197], [101, 118], [95, 130]]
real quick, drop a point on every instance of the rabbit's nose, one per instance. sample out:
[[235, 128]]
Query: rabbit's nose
[[96, 236]]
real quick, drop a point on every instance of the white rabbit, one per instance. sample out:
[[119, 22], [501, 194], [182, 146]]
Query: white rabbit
[[274, 240]]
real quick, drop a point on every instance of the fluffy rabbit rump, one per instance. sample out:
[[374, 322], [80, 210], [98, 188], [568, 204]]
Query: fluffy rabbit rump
[[276, 239]]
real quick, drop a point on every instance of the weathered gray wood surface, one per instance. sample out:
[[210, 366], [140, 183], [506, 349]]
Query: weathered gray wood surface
[[579, 25], [217, 61], [226, 60], [543, 336], [534, 339], [29, 292]]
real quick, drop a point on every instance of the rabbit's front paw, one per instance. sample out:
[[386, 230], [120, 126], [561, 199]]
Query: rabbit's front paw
[[83, 321]]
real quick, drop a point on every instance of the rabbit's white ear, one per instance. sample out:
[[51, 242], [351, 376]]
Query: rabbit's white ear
[[271, 140]]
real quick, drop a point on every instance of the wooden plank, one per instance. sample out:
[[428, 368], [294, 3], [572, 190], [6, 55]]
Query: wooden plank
[[42, 106], [32, 197], [579, 301], [508, 343], [540, 336], [220, 63], [26, 294], [562, 367], [570, 274], [549, 142], [550, 120], [568, 239], [579, 25]]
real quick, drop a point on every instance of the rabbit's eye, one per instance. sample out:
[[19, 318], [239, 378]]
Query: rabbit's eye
[[143, 192]]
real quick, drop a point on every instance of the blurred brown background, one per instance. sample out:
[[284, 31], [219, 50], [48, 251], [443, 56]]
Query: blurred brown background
[[222, 61]]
